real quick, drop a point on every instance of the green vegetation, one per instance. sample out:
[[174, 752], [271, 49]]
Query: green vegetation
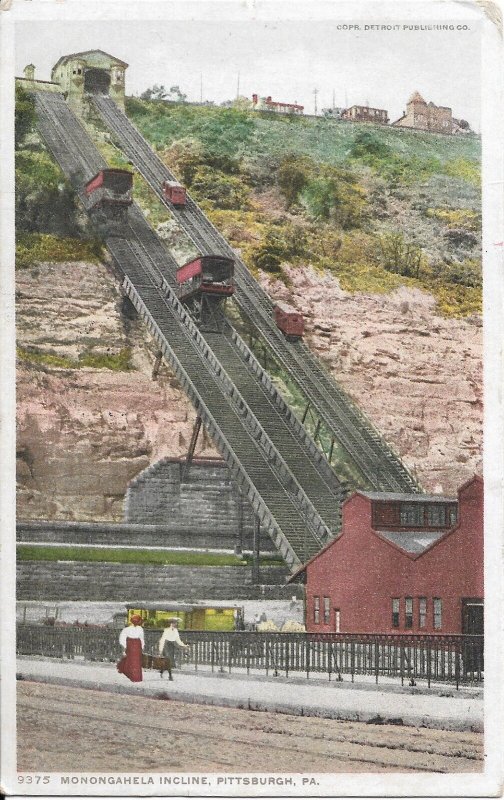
[[49, 224], [24, 119], [129, 556], [33, 247], [118, 362], [377, 206]]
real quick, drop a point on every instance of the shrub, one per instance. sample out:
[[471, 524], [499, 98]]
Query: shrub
[[282, 242], [222, 191], [335, 196], [293, 174], [399, 256]]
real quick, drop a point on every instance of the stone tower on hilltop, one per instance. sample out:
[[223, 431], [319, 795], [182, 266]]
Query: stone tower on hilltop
[[425, 116]]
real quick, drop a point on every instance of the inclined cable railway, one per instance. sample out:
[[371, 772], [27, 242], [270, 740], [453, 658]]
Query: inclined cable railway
[[347, 425], [278, 499]]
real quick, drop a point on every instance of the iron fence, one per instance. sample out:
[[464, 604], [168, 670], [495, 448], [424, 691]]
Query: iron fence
[[454, 659]]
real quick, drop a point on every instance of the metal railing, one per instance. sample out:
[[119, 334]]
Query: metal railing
[[453, 659]]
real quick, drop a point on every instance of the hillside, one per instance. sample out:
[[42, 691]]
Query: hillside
[[373, 234], [376, 206]]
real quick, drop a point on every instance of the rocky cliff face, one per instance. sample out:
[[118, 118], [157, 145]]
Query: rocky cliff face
[[85, 432], [416, 375]]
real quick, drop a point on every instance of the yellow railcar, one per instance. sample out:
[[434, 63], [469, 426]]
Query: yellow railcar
[[192, 617]]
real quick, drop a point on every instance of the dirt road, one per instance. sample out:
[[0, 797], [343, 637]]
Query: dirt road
[[62, 729]]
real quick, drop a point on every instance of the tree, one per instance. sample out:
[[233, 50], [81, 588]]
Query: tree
[[293, 175], [176, 95], [155, 92]]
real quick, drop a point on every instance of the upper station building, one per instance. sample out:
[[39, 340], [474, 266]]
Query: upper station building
[[80, 74], [92, 71]]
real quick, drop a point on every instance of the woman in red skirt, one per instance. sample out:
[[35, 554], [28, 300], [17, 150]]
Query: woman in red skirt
[[131, 640]]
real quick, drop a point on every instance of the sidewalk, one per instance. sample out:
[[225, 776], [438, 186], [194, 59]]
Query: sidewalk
[[443, 708]]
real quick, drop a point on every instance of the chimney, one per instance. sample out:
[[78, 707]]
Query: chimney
[[29, 72], [254, 99]]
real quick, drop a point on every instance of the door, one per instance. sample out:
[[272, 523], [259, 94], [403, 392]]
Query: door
[[472, 625]]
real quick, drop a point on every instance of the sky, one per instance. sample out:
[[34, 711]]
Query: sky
[[285, 59]]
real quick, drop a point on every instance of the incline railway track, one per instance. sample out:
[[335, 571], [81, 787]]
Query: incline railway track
[[290, 486], [381, 468], [201, 738]]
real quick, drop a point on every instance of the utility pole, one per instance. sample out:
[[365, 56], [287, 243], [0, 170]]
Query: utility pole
[[333, 99], [238, 87], [201, 87], [315, 93]]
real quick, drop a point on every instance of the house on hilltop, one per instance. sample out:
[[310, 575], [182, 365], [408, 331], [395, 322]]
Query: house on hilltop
[[267, 104], [366, 114], [425, 116], [403, 563]]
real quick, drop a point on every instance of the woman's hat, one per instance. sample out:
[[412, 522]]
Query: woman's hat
[[136, 619]]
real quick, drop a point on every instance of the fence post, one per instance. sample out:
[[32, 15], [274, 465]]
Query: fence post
[[307, 659], [248, 656], [212, 658], [352, 659], [377, 661], [401, 661], [457, 667], [229, 655], [429, 665], [286, 659]]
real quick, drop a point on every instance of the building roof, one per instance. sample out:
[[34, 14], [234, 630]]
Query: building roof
[[413, 542], [416, 97], [408, 498], [86, 53]]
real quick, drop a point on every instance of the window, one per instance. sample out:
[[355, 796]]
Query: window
[[453, 515], [422, 612], [438, 613], [408, 612], [411, 514], [327, 610], [316, 610], [436, 515], [395, 612]]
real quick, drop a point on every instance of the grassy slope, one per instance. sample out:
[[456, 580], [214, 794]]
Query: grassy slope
[[422, 187]]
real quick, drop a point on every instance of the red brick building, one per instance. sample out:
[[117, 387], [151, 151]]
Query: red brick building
[[402, 564], [268, 104]]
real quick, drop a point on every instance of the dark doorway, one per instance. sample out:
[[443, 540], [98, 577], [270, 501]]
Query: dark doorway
[[96, 81], [473, 625]]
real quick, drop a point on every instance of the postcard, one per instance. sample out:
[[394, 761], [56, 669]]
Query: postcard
[[251, 409]]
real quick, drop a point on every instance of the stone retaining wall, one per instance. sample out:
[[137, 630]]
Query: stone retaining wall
[[205, 499], [170, 534], [105, 581]]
